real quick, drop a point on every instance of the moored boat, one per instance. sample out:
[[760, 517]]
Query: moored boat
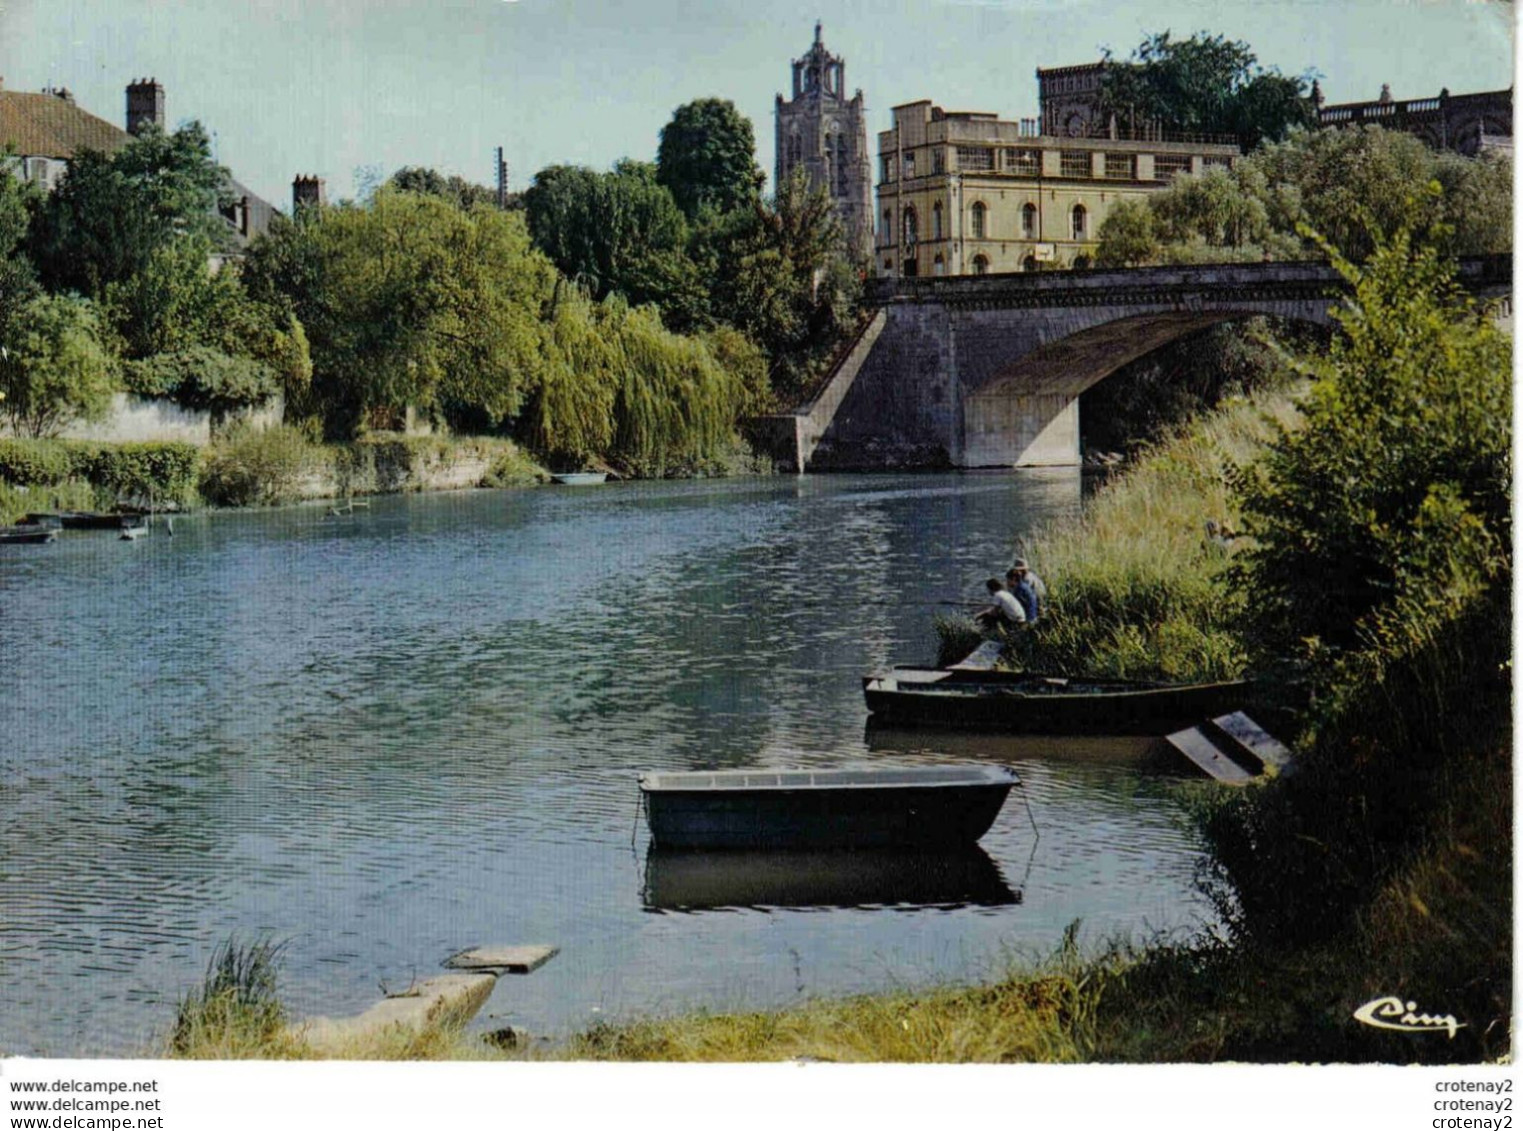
[[579, 478], [1037, 704], [85, 520], [27, 534], [854, 807]]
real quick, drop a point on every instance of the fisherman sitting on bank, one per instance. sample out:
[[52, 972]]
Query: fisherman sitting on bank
[[1018, 581], [1006, 612]]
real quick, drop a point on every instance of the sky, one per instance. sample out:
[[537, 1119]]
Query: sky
[[350, 89]]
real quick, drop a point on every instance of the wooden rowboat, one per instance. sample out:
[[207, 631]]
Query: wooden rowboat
[[931, 806], [579, 478], [1036, 704]]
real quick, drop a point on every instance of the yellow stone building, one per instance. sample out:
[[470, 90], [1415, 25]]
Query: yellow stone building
[[971, 194]]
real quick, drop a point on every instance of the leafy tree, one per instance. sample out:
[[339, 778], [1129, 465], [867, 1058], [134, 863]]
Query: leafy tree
[[454, 188], [617, 233], [1394, 498], [1342, 183], [1205, 84], [707, 157], [1351, 183], [784, 277], [18, 281], [111, 213], [54, 368], [1129, 235], [409, 302]]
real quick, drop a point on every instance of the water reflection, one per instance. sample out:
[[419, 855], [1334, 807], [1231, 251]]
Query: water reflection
[[681, 880], [976, 746]]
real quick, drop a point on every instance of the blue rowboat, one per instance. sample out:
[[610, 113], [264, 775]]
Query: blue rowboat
[[917, 807]]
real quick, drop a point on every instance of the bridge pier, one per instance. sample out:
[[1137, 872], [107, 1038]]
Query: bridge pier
[[1011, 430]]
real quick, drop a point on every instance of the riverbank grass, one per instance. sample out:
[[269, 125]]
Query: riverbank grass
[[1137, 589]]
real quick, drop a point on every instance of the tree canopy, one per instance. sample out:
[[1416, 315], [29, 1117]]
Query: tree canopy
[[616, 233], [54, 367], [409, 301], [454, 188], [1205, 84], [1345, 184], [111, 213], [707, 157]]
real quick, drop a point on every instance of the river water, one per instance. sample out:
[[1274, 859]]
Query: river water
[[386, 737]]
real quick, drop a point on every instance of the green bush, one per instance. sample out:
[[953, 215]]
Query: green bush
[[34, 463], [1398, 487], [1380, 574], [249, 468], [160, 471], [202, 379]]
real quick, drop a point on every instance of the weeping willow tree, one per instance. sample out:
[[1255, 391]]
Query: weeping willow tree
[[676, 405], [570, 415]]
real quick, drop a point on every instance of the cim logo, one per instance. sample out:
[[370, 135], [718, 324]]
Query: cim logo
[[1402, 1017]]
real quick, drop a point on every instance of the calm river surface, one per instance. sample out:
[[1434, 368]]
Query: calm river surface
[[388, 737]]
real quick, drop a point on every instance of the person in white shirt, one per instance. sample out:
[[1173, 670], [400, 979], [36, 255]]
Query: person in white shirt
[[1005, 612]]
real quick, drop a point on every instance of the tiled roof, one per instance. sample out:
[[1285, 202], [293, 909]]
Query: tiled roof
[[45, 125]]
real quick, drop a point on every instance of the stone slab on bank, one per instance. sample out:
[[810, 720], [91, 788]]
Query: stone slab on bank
[[503, 959], [434, 1003], [449, 999]]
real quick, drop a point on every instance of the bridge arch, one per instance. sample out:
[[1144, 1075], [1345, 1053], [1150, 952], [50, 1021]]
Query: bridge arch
[[1027, 410]]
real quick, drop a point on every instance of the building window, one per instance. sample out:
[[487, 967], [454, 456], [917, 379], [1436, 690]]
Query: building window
[[886, 169], [1028, 221], [939, 160], [1025, 162], [1080, 222], [888, 227], [911, 230], [936, 230], [940, 267], [1120, 167], [980, 220], [975, 158], [1076, 164], [909, 165], [39, 170], [911, 268], [980, 265], [1167, 166]]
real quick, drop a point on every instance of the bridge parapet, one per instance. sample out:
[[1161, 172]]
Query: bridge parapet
[[1310, 279]]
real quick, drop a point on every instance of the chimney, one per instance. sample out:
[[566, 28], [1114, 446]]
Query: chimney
[[145, 104], [308, 191]]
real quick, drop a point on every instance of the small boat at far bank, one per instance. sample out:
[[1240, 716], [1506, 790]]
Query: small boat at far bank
[[27, 534], [579, 478], [856, 807], [86, 520], [1038, 704]]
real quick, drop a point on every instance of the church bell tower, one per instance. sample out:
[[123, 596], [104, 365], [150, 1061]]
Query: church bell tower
[[825, 133]]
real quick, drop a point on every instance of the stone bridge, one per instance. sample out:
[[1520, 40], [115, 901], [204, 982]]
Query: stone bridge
[[986, 371]]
